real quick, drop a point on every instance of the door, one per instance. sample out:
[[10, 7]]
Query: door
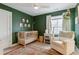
[[6, 28]]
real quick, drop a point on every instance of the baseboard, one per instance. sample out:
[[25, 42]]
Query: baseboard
[[14, 44], [76, 49], [11, 46]]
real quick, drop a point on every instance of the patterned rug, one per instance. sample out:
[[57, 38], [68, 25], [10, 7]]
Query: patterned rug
[[35, 48]]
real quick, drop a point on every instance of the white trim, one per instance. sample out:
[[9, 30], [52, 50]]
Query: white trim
[[8, 14], [56, 17], [76, 49], [11, 26], [14, 44]]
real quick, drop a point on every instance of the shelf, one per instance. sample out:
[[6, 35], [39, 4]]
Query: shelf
[[47, 41], [47, 38]]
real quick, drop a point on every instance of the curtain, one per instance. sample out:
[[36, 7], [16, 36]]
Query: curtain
[[66, 25], [48, 24], [66, 22]]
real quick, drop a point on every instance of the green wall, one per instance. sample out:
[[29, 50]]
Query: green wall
[[16, 18], [77, 27], [40, 20]]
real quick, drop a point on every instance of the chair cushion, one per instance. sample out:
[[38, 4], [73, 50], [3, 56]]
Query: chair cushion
[[58, 42], [66, 34]]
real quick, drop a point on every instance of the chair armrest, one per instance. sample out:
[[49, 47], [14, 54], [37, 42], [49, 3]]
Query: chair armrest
[[51, 39], [68, 43]]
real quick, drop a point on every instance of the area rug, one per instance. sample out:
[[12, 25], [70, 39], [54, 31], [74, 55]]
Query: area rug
[[35, 48]]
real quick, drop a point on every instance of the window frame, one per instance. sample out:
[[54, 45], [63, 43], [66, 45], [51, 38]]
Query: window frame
[[56, 18]]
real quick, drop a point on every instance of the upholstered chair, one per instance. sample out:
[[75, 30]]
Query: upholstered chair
[[65, 44]]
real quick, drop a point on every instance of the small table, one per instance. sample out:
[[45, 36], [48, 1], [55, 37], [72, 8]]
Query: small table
[[47, 38]]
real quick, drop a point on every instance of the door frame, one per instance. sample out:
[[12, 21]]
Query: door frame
[[10, 25]]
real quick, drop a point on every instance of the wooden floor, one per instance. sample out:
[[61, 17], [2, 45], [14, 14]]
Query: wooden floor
[[34, 48]]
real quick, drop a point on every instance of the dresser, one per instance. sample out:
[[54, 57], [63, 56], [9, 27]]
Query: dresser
[[27, 37]]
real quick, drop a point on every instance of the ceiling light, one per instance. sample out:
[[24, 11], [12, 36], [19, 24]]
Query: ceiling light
[[36, 7]]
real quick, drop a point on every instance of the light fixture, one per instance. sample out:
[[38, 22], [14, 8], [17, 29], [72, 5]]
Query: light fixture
[[23, 20], [68, 12], [25, 25], [36, 7], [21, 24], [27, 21], [28, 25]]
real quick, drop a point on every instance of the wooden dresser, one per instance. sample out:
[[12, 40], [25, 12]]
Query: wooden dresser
[[27, 37]]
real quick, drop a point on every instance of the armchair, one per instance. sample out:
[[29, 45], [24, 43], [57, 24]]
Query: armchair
[[66, 44]]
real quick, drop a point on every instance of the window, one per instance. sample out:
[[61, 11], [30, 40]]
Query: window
[[56, 24]]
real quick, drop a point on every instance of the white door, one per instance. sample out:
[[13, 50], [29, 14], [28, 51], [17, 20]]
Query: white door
[[6, 28]]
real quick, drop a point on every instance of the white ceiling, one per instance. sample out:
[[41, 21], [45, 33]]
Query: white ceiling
[[52, 7]]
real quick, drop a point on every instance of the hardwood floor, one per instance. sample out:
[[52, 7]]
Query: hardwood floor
[[34, 48]]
